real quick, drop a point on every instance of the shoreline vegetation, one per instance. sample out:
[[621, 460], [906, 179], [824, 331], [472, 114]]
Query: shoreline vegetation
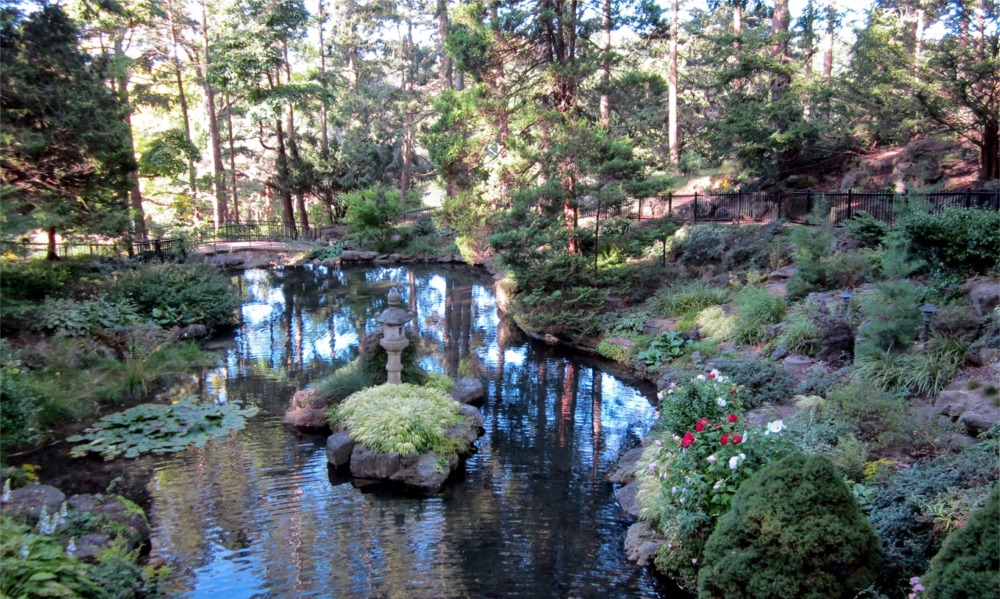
[[764, 342]]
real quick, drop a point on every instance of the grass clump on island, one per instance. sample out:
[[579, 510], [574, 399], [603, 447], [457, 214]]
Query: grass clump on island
[[403, 419]]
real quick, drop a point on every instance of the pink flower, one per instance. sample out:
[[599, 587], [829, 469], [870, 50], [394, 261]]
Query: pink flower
[[658, 443], [652, 468], [701, 425], [711, 376], [688, 439], [732, 418], [737, 439], [724, 439]]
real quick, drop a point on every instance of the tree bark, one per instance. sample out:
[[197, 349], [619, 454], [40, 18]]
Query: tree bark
[[989, 164], [232, 159], [408, 87], [605, 102], [831, 27], [181, 96], [287, 211], [675, 150], [443, 26], [219, 207], [135, 193], [50, 252]]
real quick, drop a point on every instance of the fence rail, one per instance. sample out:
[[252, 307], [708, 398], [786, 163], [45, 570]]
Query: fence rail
[[63, 249], [793, 206]]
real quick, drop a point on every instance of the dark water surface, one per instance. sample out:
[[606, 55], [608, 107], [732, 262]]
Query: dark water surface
[[258, 514]]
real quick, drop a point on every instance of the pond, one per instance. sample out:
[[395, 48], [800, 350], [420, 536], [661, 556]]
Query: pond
[[259, 514]]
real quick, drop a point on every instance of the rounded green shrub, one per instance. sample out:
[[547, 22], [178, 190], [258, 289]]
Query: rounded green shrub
[[795, 531], [968, 565], [176, 294], [403, 419]]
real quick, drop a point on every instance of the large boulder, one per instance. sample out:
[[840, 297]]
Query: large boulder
[[473, 414], [306, 410], [428, 474], [641, 544], [628, 498], [624, 470], [357, 256], [468, 390], [983, 294], [30, 500], [339, 447], [368, 464], [971, 408]]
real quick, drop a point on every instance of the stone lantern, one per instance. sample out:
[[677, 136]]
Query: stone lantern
[[393, 340]]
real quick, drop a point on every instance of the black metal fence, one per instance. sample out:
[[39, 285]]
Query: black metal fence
[[793, 206], [64, 249]]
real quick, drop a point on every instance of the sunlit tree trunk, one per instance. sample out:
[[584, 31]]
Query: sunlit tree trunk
[[219, 207], [605, 101], [831, 25], [675, 150]]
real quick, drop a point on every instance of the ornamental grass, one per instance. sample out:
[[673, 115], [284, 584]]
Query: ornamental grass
[[403, 419]]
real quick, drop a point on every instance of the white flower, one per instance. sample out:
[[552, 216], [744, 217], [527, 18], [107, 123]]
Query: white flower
[[775, 427], [673, 490], [677, 439], [5, 497], [700, 377], [720, 402], [658, 443], [746, 435], [659, 395], [714, 371], [682, 501], [743, 456], [734, 462], [717, 485], [712, 459], [71, 547]]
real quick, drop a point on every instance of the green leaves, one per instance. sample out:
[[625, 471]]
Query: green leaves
[[155, 428], [663, 350]]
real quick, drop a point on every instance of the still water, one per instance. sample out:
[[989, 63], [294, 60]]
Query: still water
[[259, 514]]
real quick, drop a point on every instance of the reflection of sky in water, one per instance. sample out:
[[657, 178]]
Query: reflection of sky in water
[[256, 515]]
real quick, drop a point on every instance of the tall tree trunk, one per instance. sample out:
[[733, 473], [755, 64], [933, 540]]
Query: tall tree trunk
[[737, 32], [408, 87], [181, 96], [831, 30], [989, 164], [50, 251], [675, 149], [219, 204], [918, 43], [443, 26], [326, 193], [135, 193], [779, 46], [605, 103], [293, 147], [232, 159], [287, 211]]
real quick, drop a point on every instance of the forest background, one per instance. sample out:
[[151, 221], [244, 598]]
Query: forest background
[[148, 116]]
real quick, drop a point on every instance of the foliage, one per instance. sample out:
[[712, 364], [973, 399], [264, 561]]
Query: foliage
[[440, 382], [569, 313], [35, 279], [866, 230], [715, 324], [323, 253], [893, 318], [878, 418], [957, 240], [36, 565], [794, 530], [759, 380], [75, 318], [372, 214], [967, 564], [910, 534], [698, 245], [624, 322], [801, 334], [66, 146], [692, 296], [705, 396], [755, 310], [344, 382], [926, 372], [403, 419], [176, 294], [156, 428], [18, 409], [615, 352], [663, 350]]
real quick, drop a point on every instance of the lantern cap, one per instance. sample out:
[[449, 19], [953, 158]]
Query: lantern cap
[[394, 315], [928, 309]]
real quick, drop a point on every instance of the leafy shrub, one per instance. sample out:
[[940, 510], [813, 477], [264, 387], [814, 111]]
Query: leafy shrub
[[615, 352], [175, 294], [698, 245], [865, 229], [323, 253], [893, 317], [36, 565], [157, 428], [624, 322], [759, 380], [75, 318], [878, 417], [372, 215], [812, 246], [801, 334], [957, 240], [750, 246], [403, 419], [910, 536], [705, 396], [663, 350], [693, 296], [968, 564], [851, 268], [755, 310], [441, 382], [35, 279], [18, 408], [568, 313], [794, 531], [715, 324]]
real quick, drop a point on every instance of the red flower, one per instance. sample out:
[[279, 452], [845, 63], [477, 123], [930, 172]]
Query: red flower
[[732, 418], [688, 439], [711, 376], [700, 426], [737, 439], [724, 439]]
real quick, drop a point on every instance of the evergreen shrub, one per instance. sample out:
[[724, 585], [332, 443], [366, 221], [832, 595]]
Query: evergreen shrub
[[794, 531], [693, 296], [177, 294], [968, 564], [759, 380], [956, 240]]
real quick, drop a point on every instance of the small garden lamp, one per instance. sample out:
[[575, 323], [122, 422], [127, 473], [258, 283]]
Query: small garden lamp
[[928, 311], [845, 299], [393, 339]]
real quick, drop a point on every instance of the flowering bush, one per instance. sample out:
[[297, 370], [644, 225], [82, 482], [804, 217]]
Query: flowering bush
[[709, 396], [689, 476]]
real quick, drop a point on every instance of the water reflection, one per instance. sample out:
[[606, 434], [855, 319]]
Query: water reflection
[[258, 514]]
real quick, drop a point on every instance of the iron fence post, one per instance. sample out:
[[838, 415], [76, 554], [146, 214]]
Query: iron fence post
[[694, 211]]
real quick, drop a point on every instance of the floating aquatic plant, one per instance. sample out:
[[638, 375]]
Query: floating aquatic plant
[[158, 428]]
